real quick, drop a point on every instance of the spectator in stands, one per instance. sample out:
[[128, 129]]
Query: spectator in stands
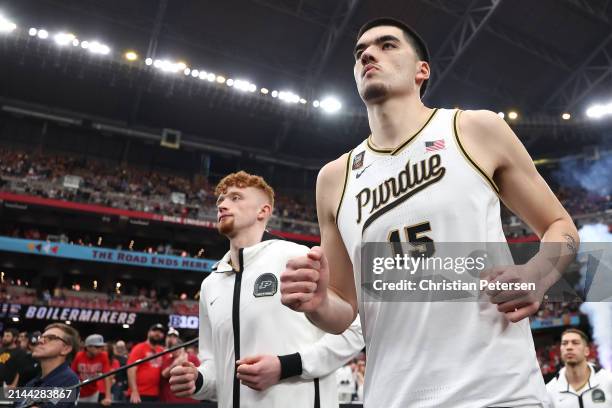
[[90, 363], [23, 341], [120, 359], [345, 377], [144, 379], [30, 368], [54, 349], [360, 378], [11, 358], [579, 381], [171, 360]]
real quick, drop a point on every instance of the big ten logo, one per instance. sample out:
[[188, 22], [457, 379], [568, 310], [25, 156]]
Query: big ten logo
[[184, 322]]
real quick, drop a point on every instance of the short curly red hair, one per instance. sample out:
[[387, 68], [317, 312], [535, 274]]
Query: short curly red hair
[[242, 179]]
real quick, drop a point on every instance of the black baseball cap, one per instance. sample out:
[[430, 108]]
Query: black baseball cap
[[158, 326], [390, 21]]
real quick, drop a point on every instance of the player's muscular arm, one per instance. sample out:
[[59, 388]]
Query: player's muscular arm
[[494, 145], [321, 284], [341, 308]]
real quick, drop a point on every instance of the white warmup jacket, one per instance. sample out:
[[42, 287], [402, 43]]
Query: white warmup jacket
[[597, 392], [241, 315]]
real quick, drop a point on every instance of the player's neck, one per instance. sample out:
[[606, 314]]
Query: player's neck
[[49, 364], [244, 239], [577, 375], [395, 119]]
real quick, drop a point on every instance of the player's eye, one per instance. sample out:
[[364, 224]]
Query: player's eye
[[388, 45]]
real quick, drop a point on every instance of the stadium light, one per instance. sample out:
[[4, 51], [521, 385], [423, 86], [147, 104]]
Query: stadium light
[[243, 85], [229, 82], [6, 25], [264, 91], [195, 73], [288, 97], [187, 71], [126, 326], [131, 56], [67, 322], [501, 114], [98, 48], [316, 104], [211, 77], [274, 94], [203, 75], [62, 39], [32, 32], [566, 116], [75, 43], [303, 101], [43, 34], [15, 319], [220, 79], [512, 115], [331, 104], [598, 111], [84, 44]]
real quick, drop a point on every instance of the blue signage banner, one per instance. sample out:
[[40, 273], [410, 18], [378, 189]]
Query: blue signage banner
[[97, 254]]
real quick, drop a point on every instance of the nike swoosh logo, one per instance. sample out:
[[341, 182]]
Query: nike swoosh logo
[[359, 173], [213, 301]]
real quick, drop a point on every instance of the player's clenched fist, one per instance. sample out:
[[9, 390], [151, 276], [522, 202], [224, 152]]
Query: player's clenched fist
[[304, 281]]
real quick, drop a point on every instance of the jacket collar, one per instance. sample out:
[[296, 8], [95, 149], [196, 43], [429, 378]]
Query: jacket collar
[[224, 264], [564, 385]]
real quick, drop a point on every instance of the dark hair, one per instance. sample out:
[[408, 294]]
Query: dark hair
[[13, 331], [73, 337], [578, 332], [414, 39]]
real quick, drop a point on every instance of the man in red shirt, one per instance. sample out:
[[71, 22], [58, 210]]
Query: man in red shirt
[[144, 379], [171, 360], [90, 363]]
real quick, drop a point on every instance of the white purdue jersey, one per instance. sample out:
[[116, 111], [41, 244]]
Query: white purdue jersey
[[434, 354]]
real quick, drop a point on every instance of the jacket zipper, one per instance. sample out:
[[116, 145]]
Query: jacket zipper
[[236, 325]]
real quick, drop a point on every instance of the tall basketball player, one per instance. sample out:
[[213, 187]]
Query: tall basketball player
[[437, 354]]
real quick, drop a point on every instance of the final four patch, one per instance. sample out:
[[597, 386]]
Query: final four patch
[[265, 285], [358, 161]]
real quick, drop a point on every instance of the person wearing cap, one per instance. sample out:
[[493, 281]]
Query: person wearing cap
[[253, 351], [144, 379], [579, 384], [429, 176], [170, 360], [90, 363]]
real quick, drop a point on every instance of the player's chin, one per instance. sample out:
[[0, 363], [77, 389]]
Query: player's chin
[[225, 226], [373, 90]]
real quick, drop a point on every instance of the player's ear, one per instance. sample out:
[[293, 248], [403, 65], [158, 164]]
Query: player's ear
[[423, 72], [265, 211]]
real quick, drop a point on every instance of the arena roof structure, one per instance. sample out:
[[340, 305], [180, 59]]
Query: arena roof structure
[[539, 59]]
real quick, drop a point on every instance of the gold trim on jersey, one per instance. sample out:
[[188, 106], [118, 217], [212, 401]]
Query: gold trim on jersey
[[346, 176], [469, 158], [395, 151]]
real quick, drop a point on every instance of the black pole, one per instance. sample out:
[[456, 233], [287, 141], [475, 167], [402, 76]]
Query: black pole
[[115, 371]]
